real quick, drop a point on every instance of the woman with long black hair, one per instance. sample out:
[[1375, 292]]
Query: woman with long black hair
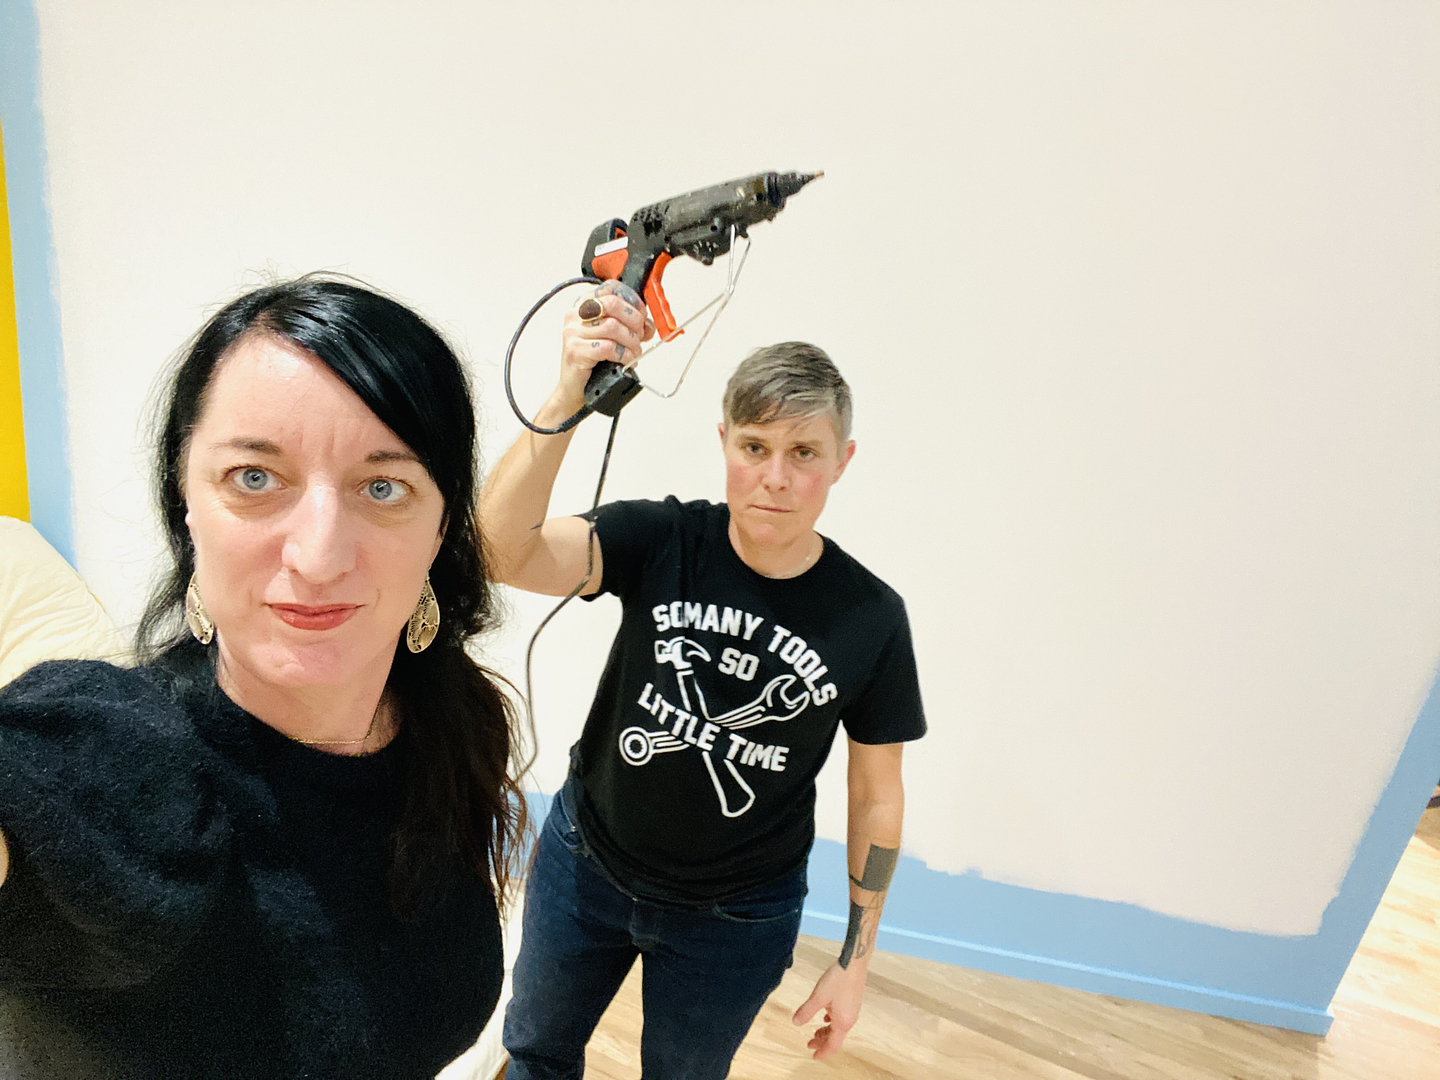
[[276, 846]]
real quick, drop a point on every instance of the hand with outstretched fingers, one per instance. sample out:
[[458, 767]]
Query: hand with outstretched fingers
[[838, 992]]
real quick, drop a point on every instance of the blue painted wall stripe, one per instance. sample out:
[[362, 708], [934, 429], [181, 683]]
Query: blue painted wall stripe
[[37, 313]]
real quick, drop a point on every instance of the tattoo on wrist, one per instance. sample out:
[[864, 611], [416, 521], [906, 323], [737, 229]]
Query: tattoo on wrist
[[852, 934], [865, 918], [879, 868], [860, 934]]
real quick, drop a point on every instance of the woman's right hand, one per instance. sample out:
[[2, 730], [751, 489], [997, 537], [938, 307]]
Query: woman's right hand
[[621, 332]]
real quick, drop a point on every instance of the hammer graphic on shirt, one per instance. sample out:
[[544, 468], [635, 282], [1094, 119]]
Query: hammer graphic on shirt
[[638, 745]]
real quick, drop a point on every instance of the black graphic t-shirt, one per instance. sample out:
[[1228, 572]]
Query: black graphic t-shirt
[[721, 697]]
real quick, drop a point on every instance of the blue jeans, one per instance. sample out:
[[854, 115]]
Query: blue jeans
[[707, 971]]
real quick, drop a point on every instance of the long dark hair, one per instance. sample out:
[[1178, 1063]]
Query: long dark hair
[[460, 729]]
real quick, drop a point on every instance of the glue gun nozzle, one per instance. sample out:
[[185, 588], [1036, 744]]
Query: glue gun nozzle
[[787, 184]]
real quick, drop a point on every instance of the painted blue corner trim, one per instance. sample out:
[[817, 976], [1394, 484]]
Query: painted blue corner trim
[[37, 313], [1126, 950]]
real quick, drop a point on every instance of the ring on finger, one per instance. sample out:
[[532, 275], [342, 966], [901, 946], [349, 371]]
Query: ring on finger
[[591, 311]]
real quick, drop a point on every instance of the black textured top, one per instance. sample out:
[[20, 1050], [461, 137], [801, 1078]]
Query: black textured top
[[193, 894]]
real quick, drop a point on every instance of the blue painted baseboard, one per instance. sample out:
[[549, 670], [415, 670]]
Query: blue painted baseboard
[[1131, 952], [1090, 927], [1047, 969]]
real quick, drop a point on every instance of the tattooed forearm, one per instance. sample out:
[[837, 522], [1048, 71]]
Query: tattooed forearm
[[879, 868], [865, 918], [860, 934]]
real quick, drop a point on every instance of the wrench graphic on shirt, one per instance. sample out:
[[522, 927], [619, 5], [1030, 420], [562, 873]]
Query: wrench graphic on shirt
[[638, 745]]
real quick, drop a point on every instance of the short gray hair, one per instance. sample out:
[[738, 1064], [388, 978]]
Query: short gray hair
[[791, 379]]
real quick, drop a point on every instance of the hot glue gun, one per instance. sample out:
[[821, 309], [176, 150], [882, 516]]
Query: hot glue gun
[[701, 224]]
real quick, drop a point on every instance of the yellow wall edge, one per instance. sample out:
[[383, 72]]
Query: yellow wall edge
[[14, 489]]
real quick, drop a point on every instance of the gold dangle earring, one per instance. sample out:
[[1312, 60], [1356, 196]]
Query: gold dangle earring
[[196, 617], [424, 620]]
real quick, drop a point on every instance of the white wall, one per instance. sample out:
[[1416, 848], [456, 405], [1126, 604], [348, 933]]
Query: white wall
[[1139, 303]]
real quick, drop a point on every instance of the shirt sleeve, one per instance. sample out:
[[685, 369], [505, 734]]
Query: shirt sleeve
[[116, 835], [888, 709], [631, 534]]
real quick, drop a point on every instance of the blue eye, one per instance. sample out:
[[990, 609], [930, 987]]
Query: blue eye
[[253, 479], [385, 490]]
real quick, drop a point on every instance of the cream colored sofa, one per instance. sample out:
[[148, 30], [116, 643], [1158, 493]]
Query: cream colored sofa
[[47, 613]]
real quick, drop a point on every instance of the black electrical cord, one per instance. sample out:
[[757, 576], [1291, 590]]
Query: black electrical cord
[[585, 410], [589, 550], [560, 429]]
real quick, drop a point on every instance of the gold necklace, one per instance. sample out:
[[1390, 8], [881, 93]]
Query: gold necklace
[[348, 742], [809, 559]]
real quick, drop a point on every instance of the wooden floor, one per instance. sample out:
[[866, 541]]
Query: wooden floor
[[926, 1020]]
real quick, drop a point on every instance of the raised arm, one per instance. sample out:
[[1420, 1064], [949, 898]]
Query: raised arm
[[530, 550], [876, 811]]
